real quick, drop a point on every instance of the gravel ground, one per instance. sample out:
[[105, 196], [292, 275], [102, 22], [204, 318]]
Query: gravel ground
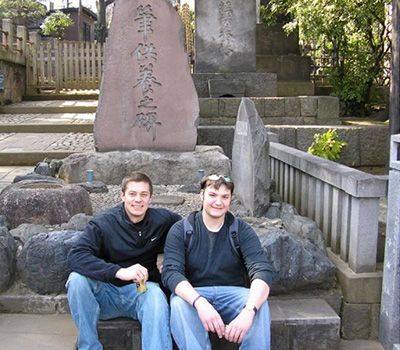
[[101, 201]]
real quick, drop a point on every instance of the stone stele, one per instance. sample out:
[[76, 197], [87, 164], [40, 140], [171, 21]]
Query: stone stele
[[147, 97], [225, 36], [250, 157]]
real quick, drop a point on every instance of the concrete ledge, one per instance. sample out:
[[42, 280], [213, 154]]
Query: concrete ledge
[[357, 288]]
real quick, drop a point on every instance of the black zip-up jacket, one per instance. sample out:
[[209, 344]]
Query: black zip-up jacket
[[112, 241]]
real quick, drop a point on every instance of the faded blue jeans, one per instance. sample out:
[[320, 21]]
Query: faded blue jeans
[[91, 300], [189, 333]]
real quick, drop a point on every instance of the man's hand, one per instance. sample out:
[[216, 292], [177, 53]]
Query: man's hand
[[160, 262], [135, 273], [212, 321], [237, 329]]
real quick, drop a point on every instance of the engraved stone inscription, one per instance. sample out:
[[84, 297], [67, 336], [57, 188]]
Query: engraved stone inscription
[[147, 81], [225, 16]]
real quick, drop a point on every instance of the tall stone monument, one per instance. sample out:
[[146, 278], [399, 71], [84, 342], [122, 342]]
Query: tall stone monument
[[389, 328], [225, 36], [147, 97], [225, 55], [250, 160]]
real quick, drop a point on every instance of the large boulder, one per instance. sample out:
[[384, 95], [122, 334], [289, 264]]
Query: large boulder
[[7, 259], [299, 264], [42, 263], [39, 202]]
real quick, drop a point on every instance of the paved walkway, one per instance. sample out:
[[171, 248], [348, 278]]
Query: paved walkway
[[57, 332], [36, 332]]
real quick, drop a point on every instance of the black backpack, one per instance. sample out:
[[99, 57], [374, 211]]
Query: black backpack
[[188, 226]]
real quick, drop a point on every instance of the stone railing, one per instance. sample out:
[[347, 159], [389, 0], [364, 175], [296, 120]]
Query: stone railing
[[344, 202]]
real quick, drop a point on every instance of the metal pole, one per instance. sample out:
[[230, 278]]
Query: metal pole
[[394, 110]]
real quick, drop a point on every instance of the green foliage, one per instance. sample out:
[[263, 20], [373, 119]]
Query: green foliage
[[327, 145], [22, 11], [354, 33], [55, 24]]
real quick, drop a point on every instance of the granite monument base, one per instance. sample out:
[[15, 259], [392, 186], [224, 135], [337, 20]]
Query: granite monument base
[[164, 168], [247, 84]]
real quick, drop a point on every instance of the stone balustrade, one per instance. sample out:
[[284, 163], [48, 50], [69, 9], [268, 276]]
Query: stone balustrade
[[343, 201]]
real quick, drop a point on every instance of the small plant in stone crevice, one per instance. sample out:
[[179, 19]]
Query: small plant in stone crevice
[[327, 145]]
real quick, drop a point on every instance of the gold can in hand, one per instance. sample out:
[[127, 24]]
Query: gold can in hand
[[141, 286]]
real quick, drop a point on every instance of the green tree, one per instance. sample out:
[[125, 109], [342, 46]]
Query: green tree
[[55, 24], [22, 12], [355, 34]]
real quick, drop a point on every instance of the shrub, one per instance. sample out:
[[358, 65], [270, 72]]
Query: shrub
[[327, 145]]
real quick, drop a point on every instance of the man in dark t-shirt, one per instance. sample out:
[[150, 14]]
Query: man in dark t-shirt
[[209, 278]]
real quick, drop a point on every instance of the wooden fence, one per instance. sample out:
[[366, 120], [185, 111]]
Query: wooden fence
[[58, 65]]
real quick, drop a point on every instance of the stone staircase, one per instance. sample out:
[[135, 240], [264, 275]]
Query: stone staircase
[[33, 130]]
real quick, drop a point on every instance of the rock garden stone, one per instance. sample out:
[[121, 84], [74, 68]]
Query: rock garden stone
[[36, 177], [77, 223], [25, 231], [46, 203], [42, 263], [94, 187], [299, 264], [7, 259], [4, 222], [304, 227], [42, 168]]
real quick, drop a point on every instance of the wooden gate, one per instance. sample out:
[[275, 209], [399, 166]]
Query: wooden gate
[[64, 65]]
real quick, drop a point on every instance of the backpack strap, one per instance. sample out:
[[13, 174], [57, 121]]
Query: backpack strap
[[234, 236], [188, 228], [233, 223]]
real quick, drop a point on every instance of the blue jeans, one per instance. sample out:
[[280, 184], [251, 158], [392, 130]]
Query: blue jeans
[[91, 300], [189, 333]]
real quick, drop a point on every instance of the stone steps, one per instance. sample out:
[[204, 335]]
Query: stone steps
[[30, 148], [50, 106]]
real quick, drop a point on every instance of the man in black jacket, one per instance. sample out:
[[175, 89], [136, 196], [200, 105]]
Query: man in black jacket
[[116, 254], [209, 276]]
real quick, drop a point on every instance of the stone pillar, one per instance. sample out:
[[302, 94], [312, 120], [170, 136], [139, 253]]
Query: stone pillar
[[225, 36], [389, 329], [250, 160]]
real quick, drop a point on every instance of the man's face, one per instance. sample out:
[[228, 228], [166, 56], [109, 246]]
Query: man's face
[[136, 200], [216, 202]]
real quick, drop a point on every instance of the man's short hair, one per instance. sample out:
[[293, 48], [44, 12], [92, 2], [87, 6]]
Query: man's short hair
[[216, 181], [136, 177]]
